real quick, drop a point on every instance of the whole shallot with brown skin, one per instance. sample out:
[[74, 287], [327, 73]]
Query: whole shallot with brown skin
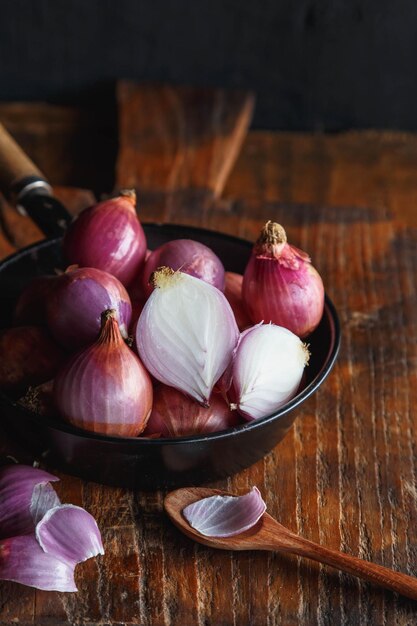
[[280, 285], [31, 305], [28, 356], [105, 388]]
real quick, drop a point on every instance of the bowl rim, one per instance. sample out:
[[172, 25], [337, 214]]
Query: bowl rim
[[248, 426]]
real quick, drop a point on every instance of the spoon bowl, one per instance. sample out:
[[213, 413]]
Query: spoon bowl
[[268, 534]]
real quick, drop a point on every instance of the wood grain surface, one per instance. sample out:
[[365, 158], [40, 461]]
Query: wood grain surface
[[179, 138], [344, 476], [74, 146]]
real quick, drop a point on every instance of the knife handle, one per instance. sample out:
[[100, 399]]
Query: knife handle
[[17, 172]]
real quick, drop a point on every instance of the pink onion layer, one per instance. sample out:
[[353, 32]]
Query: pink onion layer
[[225, 516], [77, 302], [189, 256], [109, 237], [176, 415], [281, 286], [25, 495], [22, 560], [41, 540], [70, 534]]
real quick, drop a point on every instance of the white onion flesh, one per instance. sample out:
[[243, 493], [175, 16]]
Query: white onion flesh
[[186, 334], [267, 369]]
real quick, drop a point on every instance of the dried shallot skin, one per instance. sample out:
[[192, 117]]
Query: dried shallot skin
[[280, 285], [105, 388], [31, 304], [28, 356], [108, 236]]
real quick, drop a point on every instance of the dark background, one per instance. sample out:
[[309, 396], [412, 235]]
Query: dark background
[[328, 65]]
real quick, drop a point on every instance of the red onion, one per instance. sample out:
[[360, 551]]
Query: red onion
[[225, 516], [281, 286], [266, 370], [233, 293], [31, 304], [105, 388], [109, 237], [189, 256], [28, 356], [186, 333], [176, 415], [75, 306]]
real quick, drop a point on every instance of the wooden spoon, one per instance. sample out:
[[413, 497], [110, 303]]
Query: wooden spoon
[[268, 534]]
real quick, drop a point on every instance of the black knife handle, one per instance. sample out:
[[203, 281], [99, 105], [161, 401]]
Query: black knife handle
[[46, 211]]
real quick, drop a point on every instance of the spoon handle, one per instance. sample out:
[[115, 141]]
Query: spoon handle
[[396, 581]]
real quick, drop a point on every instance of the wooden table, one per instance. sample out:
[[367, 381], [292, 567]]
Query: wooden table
[[345, 475]]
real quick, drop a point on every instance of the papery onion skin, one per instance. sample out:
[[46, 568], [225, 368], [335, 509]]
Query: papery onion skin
[[189, 256], [186, 334], [225, 516], [28, 356], [176, 415], [22, 560], [281, 286], [109, 237], [105, 388], [77, 302], [233, 293], [40, 399], [267, 369], [30, 307]]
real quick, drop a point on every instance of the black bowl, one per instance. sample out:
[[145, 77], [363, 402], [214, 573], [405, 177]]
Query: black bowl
[[146, 463]]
